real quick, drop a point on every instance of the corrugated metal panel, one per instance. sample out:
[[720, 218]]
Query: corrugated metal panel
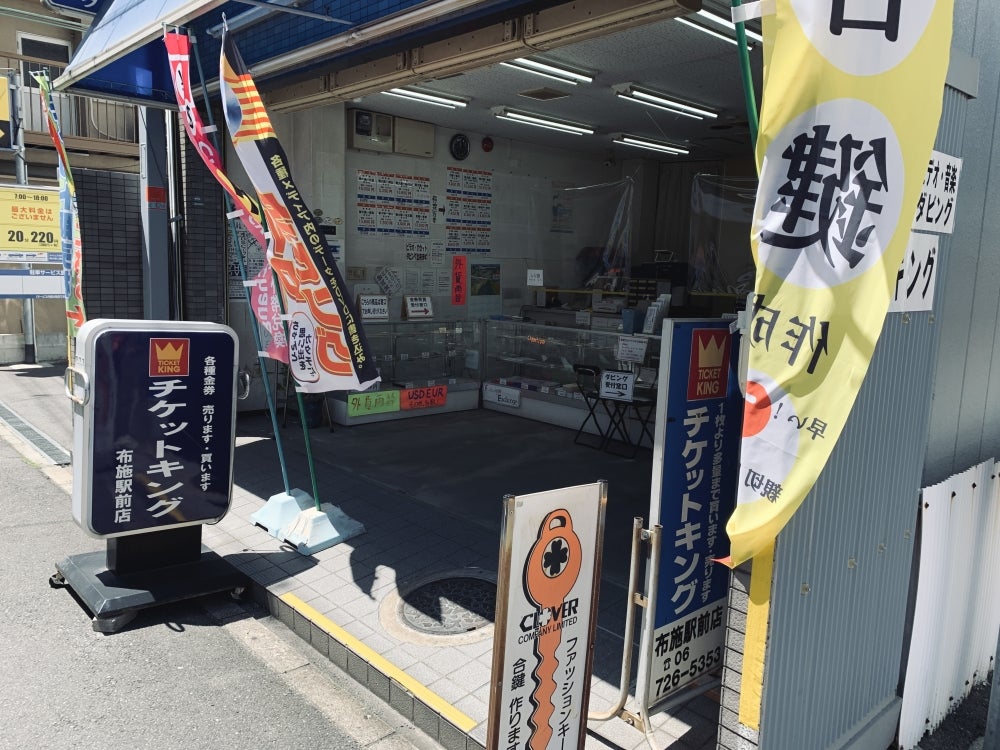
[[957, 610], [966, 408], [843, 563]]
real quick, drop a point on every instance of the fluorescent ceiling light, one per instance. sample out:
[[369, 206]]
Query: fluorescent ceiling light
[[548, 70], [706, 30], [526, 118], [426, 97], [649, 145], [727, 23], [661, 101]]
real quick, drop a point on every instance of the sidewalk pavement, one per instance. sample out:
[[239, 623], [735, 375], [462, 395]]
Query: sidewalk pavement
[[428, 491]]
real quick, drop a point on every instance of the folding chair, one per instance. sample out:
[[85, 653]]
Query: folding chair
[[588, 380], [617, 408], [644, 409]]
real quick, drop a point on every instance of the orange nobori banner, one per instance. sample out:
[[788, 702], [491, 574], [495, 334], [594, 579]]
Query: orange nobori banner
[[327, 346]]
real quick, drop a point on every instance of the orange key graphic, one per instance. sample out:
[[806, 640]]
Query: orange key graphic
[[552, 569]]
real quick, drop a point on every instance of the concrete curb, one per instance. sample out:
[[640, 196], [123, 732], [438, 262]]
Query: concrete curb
[[433, 715]]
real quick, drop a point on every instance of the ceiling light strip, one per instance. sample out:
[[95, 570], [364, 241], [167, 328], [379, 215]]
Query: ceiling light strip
[[706, 30], [628, 140], [727, 23], [646, 97], [426, 98], [548, 70], [543, 122], [671, 110]]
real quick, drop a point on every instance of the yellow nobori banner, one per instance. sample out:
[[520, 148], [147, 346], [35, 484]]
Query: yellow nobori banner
[[852, 99]]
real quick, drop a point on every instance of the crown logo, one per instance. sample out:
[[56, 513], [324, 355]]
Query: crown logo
[[169, 357], [711, 351], [169, 353]]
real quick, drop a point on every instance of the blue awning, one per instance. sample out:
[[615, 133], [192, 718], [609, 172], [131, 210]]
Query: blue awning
[[121, 44]]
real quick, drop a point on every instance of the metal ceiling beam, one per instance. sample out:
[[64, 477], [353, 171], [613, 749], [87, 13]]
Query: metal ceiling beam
[[543, 30]]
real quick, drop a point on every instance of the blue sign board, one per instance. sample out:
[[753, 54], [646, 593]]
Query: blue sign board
[[153, 436], [697, 469]]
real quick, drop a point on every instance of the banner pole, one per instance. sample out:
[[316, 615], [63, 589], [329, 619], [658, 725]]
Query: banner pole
[[269, 396], [748, 95]]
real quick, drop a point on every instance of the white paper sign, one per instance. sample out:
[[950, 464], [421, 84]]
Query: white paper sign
[[936, 206], [389, 280], [631, 348], [417, 306], [535, 277], [373, 306], [917, 275], [617, 385], [498, 394]]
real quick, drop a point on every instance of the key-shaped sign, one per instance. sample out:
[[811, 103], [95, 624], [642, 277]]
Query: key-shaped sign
[[552, 569]]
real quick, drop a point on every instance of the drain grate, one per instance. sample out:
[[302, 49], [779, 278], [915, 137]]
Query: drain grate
[[49, 448], [450, 606]]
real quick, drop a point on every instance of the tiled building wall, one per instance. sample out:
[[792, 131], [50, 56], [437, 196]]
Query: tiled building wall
[[732, 734], [203, 240], [111, 234]]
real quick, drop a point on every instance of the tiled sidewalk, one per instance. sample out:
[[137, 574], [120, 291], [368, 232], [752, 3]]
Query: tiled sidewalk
[[429, 493], [340, 599]]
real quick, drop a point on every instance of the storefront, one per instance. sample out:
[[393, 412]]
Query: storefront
[[506, 231]]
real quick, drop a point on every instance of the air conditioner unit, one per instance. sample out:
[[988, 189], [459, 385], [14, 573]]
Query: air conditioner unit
[[414, 137], [369, 130]]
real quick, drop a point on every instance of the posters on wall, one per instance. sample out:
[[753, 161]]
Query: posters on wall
[[459, 283], [562, 208], [484, 297], [469, 210], [390, 203]]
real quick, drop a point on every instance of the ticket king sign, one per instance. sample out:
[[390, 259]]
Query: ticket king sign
[[709, 364], [169, 357], [152, 445]]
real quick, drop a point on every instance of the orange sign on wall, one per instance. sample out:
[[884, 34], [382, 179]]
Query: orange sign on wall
[[423, 398]]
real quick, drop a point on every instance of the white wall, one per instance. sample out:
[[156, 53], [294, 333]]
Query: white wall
[[524, 180]]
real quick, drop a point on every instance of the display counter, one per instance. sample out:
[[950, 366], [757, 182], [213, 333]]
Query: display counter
[[529, 371], [427, 367]]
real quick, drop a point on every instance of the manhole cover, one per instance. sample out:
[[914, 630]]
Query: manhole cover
[[450, 606]]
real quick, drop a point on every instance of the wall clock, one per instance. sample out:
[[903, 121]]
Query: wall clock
[[459, 146]]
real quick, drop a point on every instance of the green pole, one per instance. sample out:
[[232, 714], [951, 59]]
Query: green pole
[[243, 275], [748, 94]]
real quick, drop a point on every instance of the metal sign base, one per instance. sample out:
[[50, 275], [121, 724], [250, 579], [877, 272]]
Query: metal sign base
[[115, 597]]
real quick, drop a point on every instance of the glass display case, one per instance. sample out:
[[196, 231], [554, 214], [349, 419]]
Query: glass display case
[[529, 368], [427, 353], [426, 367]]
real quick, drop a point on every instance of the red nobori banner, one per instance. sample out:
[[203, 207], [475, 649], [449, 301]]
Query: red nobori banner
[[263, 295]]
